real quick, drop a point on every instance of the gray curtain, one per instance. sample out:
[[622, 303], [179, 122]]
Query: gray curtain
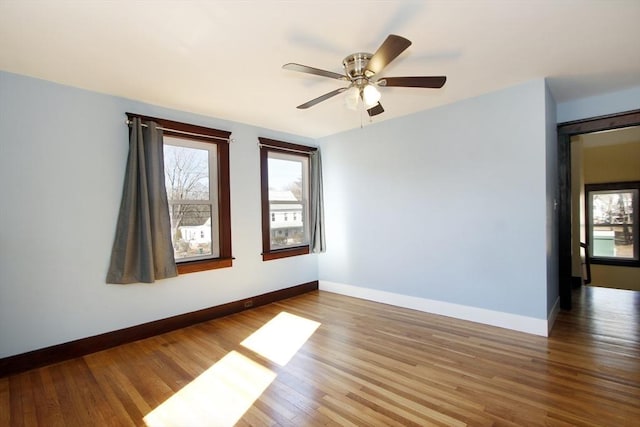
[[142, 249], [316, 205]]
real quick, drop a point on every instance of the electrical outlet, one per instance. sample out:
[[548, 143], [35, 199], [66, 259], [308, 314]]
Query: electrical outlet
[[248, 304]]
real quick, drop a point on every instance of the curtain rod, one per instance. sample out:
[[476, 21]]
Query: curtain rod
[[286, 149], [129, 123]]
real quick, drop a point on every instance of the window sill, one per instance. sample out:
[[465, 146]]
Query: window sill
[[204, 265], [284, 253], [615, 262]]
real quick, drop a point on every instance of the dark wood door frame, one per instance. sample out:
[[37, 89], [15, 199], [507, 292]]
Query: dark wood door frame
[[565, 132]]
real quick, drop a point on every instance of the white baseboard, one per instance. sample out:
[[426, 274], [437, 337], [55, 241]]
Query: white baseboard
[[553, 315], [515, 322]]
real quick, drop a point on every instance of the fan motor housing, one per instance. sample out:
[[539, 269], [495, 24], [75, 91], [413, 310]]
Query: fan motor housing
[[355, 64]]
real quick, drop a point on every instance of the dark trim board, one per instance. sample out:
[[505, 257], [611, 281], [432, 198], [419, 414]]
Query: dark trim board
[[576, 282], [81, 347]]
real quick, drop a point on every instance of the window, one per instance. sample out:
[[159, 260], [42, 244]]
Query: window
[[196, 166], [192, 193], [612, 218], [285, 194]]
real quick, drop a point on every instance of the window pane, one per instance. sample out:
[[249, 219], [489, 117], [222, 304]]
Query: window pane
[[193, 237], [186, 173], [191, 181], [286, 175], [287, 200], [613, 223]]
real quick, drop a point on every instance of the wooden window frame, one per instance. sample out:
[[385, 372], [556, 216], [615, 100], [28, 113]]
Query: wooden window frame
[[221, 139], [271, 145], [613, 187]]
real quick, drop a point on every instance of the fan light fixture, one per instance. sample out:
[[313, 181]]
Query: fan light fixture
[[370, 95], [351, 98]]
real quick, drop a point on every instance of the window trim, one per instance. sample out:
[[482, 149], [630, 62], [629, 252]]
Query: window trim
[[271, 145], [613, 186], [221, 139]]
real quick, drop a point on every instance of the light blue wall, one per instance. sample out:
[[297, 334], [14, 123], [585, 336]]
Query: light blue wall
[[601, 105], [448, 204], [62, 157], [552, 229]]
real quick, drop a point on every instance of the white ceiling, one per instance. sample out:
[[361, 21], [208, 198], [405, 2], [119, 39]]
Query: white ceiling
[[224, 58]]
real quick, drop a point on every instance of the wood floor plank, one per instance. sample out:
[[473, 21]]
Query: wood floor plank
[[367, 364], [119, 403], [46, 400], [26, 399], [5, 403]]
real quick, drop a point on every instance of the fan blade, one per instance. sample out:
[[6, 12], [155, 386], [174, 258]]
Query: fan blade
[[387, 52], [375, 110], [321, 98], [310, 70], [434, 82]]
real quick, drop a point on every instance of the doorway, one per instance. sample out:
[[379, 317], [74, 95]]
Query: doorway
[[565, 132]]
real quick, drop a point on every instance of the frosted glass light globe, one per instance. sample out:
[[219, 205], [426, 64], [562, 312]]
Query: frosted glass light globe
[[351, 98], [370, 95]]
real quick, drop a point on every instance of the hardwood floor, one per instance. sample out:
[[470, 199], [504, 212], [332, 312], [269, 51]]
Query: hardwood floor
[[363, 364]]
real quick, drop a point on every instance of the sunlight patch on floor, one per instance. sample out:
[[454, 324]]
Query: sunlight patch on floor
[[218, 397], [280, 339]]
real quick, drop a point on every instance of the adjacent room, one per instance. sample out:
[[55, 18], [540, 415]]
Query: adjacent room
[[605, 168], [319, 212]]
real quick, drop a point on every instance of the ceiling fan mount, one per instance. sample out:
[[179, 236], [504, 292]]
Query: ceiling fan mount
[[360, 70], [356, 64]]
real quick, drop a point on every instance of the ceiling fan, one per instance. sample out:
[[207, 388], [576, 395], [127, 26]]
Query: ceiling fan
[[361, 70]]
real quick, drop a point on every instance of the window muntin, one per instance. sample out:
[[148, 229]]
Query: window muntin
[[285, 169], [191, 181], [612, 213]]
